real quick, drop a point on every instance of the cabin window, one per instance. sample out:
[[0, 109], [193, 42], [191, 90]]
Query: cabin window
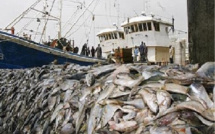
[[106, 37], [140, 27], [121, 35], [126, 30], [149, 26], [109, 36], [132, 28], [136, 28], [100, 38], [144, 27], [112, 36], [156, 26], [115, 35]]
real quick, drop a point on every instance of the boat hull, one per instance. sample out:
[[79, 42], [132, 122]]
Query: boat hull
[[18, 53]]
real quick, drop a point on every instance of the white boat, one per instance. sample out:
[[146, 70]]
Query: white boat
[[148, 29]]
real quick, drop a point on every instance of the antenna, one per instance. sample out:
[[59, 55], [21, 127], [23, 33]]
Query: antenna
[[118, 11], [173, 24], [147, 5]]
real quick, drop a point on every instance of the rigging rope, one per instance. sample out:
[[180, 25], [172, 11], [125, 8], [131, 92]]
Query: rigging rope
[[78, 19], [28, 24], [15, 21], [44, 28], [37, 30]]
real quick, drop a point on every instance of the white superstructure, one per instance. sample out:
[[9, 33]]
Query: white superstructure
[[111, 39], [153, 32]]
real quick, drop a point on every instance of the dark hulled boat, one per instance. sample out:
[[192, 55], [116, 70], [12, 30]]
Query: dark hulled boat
[[17, 52]]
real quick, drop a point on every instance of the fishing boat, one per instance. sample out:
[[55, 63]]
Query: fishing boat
[[149, 29], [22, 52]]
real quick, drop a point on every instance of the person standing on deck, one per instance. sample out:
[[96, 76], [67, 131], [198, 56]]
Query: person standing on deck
[[88, 51], [99, 52], [171, 54], [136, 51], [145, 52], [141, 49], [83, 50], [93, 51], [12, 29]]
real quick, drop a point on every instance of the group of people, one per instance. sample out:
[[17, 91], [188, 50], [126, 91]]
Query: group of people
[[87, 52], [143, 50]]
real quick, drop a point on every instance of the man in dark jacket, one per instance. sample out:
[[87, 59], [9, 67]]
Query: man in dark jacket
[[93, 51], [99, 51], [141, 49]]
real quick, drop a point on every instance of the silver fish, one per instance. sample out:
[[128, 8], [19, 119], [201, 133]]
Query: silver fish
[[108, 112], [207, 71], [129, 83], [96, 111], [55, 113], [67, 129], [163, 99], [198, 91], [68, 114], [51, 102], [150, 99], [90, 79], [69, 84], [119, 69], [176, 88], [144, 116], [137, 103]]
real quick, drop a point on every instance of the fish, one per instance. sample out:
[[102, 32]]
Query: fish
[[108, 112], [163, 100], [119, 93], [150, 99], [119, 69], [67, 129], [144, 116], [55, 113], [167, 119], [176, 88], [69, 84], [129, 83], [96, 111], [51, 102], [124, 126], [68, 95], [90, 79], [68, 114], [198, 91], [137, 103], [207, 71], [131, 113]]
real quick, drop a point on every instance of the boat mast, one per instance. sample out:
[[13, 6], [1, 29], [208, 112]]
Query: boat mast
[[45, 5], [60, 18]]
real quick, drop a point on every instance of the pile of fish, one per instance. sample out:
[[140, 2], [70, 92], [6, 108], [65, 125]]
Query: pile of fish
[[108, 99]]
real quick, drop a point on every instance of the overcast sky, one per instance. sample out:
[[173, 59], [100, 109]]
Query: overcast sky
[[105, 11]]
